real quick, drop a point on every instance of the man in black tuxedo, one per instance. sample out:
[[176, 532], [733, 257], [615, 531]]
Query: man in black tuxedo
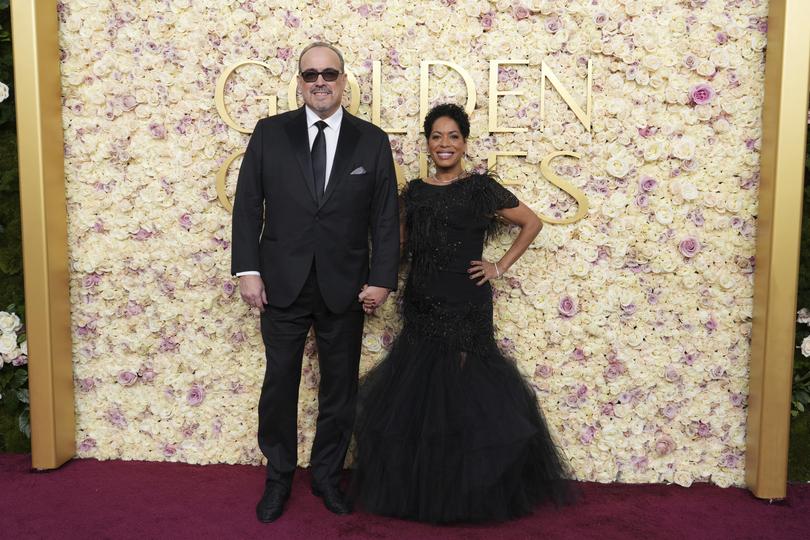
[[314, 185]]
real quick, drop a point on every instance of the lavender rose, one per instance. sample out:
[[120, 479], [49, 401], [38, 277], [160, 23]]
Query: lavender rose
[[129, 102], [87, 444], [730, 461], [158, 131], [228, 288], [648, 183], [567, 307], [664, 445], [587, 434], [670, 411], [689, 247], [704, 429], [196, 395], [544, 370], [520, 12], [185, 221], [701, 94], [87, 384], [639, 463], [553, 25], [487, 20], [21, 360], [126, 378], [116, 417], [148, 374], [671, 374]]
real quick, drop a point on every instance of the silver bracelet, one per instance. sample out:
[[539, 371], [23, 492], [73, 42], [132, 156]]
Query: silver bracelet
[[497, 270]]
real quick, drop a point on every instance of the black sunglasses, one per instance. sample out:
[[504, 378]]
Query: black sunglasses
[[311, 75]]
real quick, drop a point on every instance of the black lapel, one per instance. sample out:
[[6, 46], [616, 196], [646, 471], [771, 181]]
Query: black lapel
[[299, 140], [347, 142]]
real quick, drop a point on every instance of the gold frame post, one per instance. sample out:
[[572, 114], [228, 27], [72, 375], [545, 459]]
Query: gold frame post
[[38, 95], [784, 128]]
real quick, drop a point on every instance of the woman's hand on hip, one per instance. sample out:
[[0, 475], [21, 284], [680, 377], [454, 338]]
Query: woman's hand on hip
[[483, 271]]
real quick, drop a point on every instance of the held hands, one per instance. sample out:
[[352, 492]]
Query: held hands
[[372, 297], [251, 288], [484, 271]]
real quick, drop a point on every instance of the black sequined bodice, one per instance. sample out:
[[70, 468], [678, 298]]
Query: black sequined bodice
[[446, 227]]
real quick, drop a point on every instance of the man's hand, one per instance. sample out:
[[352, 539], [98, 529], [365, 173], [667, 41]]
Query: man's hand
[[251, 288], [372, 297]]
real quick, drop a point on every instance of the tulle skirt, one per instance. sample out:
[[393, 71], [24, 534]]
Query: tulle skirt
[[449, 431]]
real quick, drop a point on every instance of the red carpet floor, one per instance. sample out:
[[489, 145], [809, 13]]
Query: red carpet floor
[[130, 499]]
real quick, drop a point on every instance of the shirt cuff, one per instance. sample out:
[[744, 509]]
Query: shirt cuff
[[247, 273]]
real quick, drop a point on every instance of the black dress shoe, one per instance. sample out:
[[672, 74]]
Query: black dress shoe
[[333, 499], [271, 505]]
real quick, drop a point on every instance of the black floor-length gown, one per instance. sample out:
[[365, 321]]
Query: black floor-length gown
[[447, 429]]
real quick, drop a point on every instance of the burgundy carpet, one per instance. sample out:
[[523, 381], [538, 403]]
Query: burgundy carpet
[[131, 499]]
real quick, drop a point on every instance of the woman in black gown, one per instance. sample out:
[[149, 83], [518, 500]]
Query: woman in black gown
[[447, 428]]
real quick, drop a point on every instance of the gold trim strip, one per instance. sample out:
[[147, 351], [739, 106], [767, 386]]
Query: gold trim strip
[[44, 230], [784, 126]]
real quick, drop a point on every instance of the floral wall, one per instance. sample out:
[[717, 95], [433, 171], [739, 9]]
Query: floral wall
[[633, 323]]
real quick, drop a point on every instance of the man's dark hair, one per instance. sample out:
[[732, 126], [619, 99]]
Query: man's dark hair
[[449, 110]]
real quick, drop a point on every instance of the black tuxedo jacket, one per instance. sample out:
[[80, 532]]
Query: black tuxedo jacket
[[279, 228]]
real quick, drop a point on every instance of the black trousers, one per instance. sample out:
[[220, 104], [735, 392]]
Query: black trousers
[[339, 340]]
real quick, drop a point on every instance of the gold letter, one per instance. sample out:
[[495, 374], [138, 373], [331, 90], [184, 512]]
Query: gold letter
[[423, 165], [423, 86], [584, 117], [494, 93], [219, 95], [222, 173], [375, 99], [566, 186]]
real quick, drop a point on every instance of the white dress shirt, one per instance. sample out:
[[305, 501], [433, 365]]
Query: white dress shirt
[[330, 133]]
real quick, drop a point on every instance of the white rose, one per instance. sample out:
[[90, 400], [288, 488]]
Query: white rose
[[728, 281], [683, 148], [8, 343], [734, 205], [617, 166], [372, 343], [721, 125], [9, 323], [663, 216], [724, 479], [683, 478], [653, 150], [580, 268], [806, 347], [688, 191], [3, 92], [719, 57], [652, 62], [705, 68]]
